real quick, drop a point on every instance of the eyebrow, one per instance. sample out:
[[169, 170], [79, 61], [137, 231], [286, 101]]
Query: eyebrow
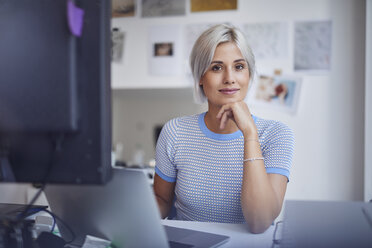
[[220, 62]]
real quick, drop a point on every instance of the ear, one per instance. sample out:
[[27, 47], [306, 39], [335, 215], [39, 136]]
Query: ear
[[200, 83]]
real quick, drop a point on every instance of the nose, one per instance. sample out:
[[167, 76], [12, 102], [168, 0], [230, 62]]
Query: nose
[[229, 77]]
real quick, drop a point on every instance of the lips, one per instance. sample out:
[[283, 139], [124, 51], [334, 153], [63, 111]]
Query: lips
[[228, 91]]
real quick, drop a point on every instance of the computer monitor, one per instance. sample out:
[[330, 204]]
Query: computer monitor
[[55, 89]]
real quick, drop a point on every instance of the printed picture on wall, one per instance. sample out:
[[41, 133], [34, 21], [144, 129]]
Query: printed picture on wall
[[276, 92], [117, 45], [313, 45], [123, 8], [163, 49], [212, 5], [158, 8]]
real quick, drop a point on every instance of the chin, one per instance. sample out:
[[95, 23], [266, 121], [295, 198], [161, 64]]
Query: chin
[[232, 99], [222, 100], [221, 103]]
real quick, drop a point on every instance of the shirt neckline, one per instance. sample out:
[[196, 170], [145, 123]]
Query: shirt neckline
[[219, 136]]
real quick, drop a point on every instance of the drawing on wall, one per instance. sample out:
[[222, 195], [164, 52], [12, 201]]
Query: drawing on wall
[[165, 50], [268, 40], [191, 34], [158, 8], [123, 8], [117, 37], [276, 92], [210, 5], [312, 45]]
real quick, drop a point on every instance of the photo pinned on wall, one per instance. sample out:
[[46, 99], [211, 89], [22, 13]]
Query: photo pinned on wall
[[213, 5], [123, 8], [312, 46], [165, 50], [117, 37], [276, 92], [159, 8]]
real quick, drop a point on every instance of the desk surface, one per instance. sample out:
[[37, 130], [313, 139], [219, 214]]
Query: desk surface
[[238, 233]]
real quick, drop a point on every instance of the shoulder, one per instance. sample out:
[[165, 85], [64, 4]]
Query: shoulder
[[182, 122], [272, 129], [178, 124]]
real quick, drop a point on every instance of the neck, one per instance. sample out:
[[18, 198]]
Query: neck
[[213, 123]]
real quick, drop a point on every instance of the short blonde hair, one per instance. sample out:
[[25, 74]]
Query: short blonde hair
[[203, 51]]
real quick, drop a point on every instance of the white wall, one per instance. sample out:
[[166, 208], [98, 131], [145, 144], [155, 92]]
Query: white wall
[[136, 112], [329, 125]]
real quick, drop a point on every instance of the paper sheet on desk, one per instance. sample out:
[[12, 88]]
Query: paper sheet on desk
[[94, 242]]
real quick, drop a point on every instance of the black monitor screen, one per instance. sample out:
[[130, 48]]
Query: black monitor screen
[[55, 93]]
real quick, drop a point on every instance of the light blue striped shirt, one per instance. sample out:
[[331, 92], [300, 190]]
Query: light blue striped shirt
[[208, 167]]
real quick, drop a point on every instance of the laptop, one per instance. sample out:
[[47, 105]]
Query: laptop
[[123, 211], [327, 224]]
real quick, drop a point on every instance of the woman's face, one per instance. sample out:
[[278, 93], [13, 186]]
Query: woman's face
[[227, 77]]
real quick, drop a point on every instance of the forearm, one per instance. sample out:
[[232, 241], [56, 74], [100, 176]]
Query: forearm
[[163, 207], [260, 204], [164, 193]]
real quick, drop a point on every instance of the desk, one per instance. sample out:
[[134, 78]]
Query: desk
[[238, 233]]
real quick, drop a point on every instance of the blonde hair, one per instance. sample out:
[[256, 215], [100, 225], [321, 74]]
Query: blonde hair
[[203, 51]]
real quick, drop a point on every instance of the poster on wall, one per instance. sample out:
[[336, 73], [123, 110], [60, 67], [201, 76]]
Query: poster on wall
[[212, 5], [191, 34], [268, 40], [164, 52], [158, 8], [117, 37], [312, 46], [123, 8], [276, 92]]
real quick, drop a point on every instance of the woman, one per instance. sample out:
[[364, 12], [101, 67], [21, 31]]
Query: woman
[[224, 165]]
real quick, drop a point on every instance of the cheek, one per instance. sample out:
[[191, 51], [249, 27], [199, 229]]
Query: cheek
[[245, 76], [208, 81], [245, 83], [245, 80], [207, 90]]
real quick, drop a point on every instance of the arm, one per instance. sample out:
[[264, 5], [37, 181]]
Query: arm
[[164, 193], [165, 183], [262, 194]]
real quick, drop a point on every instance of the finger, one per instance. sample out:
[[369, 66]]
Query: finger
[[223, 121], [222, 110]]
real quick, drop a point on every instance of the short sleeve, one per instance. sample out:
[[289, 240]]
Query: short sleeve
[[165, 152], [278, 150]]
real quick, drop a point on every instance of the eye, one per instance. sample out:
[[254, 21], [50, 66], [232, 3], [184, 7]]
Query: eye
[[216, 68], [239, 67]]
